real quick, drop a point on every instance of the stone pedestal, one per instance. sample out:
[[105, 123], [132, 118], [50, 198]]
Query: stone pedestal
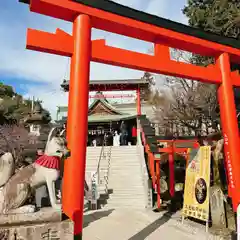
[[45, 224], [58, 231]]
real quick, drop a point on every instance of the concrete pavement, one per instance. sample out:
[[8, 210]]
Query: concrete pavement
[[129, 224]]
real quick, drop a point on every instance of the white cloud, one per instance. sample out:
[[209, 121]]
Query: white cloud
[[157, 7], [51, 69]]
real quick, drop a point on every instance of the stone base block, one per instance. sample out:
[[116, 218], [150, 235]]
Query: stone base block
[[44, 224], [57, 231]]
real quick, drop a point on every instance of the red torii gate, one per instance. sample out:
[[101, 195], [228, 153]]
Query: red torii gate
[[112, 96], [133, 85], [112, 17]]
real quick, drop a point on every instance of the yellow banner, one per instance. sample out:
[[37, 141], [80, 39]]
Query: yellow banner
[[197, 184]]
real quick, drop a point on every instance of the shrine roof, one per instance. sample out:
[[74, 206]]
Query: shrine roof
[[111, 85], [105, 105], [109, 118], [103, 118]]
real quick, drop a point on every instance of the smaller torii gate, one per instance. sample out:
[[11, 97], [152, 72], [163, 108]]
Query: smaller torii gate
[[135, 85], [112, 17]]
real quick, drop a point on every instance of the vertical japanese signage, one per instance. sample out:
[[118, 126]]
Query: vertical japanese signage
[[229, 164], [197, 183], [94, 188]]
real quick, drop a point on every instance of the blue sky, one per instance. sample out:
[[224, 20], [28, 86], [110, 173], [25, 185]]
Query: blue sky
[[39, 74]]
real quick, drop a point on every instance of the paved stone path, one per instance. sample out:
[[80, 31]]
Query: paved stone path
[[129, 224]]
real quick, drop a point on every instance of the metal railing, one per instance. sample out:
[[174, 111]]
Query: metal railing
[[102, 154], [108, 168], [95, 180]]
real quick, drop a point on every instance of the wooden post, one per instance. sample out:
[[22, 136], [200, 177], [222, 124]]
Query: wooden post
[[171, 169], [158, 184], [139, 111]]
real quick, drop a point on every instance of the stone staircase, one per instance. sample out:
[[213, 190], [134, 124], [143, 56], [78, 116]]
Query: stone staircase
[[121, 179], [93, 155], [98, 157], [126, 179]]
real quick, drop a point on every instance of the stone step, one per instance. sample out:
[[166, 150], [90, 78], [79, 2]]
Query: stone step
[[124, 184], [126, 201], [125, 161], [122, 189], [125, 164], [131, 175], [127, 196], [112, 149], [125, 169], [129, 167], [127, 158], [117, 174], [130, 171], [91, 168], [126, 205], [93, 161], [123, 153], [133, 189], [110, 206], [121, 199], [126, 179], [129, 182]]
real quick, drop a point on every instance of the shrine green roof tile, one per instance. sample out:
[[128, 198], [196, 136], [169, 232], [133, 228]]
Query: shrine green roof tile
[[103, 118], [109, 118]]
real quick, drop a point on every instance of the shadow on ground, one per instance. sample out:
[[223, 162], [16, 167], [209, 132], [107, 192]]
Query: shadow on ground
[[144, 233], [92, 217]]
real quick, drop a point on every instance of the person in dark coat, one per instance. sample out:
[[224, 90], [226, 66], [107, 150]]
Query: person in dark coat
[[124, 134]]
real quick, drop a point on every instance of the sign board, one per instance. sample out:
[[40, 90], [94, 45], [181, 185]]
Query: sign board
[[94, 188], [197, 184]]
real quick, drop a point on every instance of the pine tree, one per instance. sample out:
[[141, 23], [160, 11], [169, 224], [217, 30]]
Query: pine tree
[[13, 108], [217, 16]]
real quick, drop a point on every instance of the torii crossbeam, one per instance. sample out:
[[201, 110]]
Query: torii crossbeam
[[112, 17]]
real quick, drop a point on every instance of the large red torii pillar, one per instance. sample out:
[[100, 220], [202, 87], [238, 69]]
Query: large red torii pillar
[[77, 127], [81, 50]]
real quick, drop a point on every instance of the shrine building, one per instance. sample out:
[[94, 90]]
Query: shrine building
[[107, 111]]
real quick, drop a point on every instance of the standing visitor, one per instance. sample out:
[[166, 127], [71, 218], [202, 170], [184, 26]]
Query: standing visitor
[[123, 137], [116, 139], [94, 142], [134, 135]]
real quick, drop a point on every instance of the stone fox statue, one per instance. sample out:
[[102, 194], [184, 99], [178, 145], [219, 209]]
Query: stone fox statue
[[16, 189]]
